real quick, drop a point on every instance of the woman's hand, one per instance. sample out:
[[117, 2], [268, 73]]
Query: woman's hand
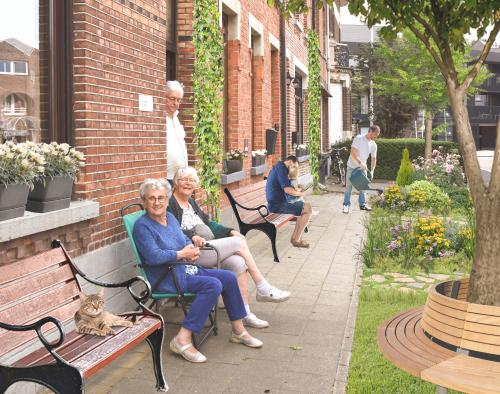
[[234, 233], [198, 241], [189, 253]]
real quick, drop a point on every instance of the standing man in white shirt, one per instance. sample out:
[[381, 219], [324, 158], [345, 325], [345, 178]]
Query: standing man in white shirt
[[176, 146], [362, 147]]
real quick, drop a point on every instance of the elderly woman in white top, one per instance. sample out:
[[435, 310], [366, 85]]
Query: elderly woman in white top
[[176, 146], [234, 252]]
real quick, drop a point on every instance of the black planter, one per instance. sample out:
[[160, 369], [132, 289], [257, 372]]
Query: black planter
[[12, 200], [258, 160], [233, 166], [271, 136], [51, 195]]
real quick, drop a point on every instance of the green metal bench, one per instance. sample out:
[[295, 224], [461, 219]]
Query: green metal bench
[[180, 297]]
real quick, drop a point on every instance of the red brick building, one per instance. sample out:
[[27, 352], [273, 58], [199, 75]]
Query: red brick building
[[99, 59]]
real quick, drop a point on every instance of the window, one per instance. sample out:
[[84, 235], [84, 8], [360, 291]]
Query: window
[[171, 10], [35, 70], [10, 67], [480, 100], [14, 104]]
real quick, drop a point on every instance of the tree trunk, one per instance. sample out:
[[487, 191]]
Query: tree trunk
[[485, 273], [428, 135]]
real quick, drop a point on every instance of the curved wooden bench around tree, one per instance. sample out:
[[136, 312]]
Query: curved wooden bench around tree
[[448, 342]]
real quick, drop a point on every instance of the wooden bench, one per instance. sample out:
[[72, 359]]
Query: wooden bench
[[38, 298], [254, 215], [449, 342]]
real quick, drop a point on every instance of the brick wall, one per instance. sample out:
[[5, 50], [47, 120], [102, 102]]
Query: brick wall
[[119, 53]]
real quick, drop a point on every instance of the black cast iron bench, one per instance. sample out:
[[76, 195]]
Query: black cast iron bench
[[39, 296], [254, 215]]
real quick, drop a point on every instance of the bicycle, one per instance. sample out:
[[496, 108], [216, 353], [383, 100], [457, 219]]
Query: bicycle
[[338, 167]]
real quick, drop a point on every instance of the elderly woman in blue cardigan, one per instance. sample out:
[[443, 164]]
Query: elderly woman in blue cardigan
[[159, 239], [234, 252]]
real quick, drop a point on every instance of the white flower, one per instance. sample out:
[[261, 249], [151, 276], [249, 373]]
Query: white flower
[[25, 163]]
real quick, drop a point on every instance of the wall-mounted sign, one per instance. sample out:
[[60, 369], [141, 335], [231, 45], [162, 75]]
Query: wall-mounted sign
[[145, 103]]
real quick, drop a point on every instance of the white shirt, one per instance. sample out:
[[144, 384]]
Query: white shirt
[[176, 146], [365, 148]]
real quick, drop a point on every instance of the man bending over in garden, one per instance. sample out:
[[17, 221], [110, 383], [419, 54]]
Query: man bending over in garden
[[362, 147]]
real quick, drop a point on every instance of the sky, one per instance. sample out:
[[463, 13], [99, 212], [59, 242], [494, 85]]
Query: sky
[[19, 19]]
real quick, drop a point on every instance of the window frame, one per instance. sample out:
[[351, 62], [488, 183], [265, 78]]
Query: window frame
[[12, 67]]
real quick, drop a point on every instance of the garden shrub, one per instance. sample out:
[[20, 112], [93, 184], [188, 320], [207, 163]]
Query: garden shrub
[[430, 237], [434, 197], [460, 197], [392, 197], [406, 172], [389, 153], [443, 169]]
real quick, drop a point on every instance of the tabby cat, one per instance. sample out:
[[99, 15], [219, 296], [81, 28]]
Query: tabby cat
[[91, 318]]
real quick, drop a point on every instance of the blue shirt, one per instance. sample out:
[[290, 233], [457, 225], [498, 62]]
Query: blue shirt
[[158, 244], [277, 181]]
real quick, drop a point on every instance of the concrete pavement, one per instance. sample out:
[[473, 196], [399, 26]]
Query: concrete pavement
[[307, 346]]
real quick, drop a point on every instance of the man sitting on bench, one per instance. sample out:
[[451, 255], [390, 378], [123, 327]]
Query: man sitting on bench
[[277, 187]]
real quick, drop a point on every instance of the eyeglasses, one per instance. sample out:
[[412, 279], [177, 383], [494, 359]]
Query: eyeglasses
[[174, 99], [159, 199], [188, 180]]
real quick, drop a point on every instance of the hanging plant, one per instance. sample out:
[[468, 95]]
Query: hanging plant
[[208, 80], [314, 105]]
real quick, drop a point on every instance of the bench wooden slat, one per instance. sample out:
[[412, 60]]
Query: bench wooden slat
[[394, 350], [445, 310], [445, 301], [10, 340], [117, 345], [40, 304], [32, 285], [467, 374], [443, 318], [30, 265]]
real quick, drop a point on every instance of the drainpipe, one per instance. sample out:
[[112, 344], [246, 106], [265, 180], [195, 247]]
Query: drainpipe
[[283, 87]]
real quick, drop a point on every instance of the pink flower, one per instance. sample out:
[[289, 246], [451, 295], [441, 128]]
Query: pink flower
[[448, 168]]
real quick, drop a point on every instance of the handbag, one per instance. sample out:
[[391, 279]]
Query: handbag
[[202, 230]]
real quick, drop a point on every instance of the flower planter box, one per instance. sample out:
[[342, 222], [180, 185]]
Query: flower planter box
[[258, 160], [233, 166], [12, 200], [51, 195]]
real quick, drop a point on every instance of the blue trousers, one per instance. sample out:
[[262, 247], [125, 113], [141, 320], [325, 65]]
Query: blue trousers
[[208, 284], [348, 190]]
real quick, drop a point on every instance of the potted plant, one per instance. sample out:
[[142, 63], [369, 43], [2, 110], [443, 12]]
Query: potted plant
[[52, 189], [19, 167], [233, 161], [258, 157]]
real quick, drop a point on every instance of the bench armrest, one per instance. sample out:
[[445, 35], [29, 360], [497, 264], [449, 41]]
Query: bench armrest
[[37, 326]]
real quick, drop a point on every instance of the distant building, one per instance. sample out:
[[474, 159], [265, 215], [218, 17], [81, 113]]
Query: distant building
[[484, 107], [358, 37], [19, 90]]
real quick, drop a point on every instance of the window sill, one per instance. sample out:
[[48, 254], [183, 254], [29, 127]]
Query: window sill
[[226, 179], [301, 159], [32, 222], [257, 170]]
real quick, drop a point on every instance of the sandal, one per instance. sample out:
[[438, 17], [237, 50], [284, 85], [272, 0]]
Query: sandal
[[240, 338], [300, 244], [189, 356]]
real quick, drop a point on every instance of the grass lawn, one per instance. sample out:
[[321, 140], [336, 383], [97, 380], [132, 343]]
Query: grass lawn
[[369, 371]]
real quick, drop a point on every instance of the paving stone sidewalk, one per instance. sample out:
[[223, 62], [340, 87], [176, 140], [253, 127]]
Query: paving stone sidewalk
[[306, 348]]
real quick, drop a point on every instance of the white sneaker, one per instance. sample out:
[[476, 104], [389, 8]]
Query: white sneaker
[[275, 295], [345, 209], [253, 321]]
